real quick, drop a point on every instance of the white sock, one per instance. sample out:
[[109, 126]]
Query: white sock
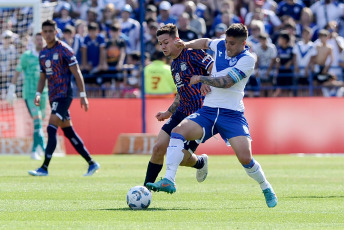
[[256, 172], [174, 156]]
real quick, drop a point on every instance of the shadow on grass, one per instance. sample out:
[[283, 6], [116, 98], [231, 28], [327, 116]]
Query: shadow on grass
[[147, 210], [314, 197]]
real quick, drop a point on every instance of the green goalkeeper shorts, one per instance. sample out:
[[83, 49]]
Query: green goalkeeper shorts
[[37, 110]]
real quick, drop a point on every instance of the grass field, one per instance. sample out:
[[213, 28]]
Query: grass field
[[310, 192]]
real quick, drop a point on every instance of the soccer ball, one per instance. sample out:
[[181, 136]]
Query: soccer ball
[[139, 197]]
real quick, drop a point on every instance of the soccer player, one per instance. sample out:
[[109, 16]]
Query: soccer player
[[185, 64], [222, 111], [57, 65], [29, 64]]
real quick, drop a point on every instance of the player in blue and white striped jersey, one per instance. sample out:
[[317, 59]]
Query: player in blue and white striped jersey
[[222, 111]]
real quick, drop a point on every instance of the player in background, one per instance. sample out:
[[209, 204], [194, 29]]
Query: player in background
[[29, 64], [222, 111], [57, 65], [185, 64]]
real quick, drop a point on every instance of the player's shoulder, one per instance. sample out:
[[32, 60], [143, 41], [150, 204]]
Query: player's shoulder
[[65, 47]]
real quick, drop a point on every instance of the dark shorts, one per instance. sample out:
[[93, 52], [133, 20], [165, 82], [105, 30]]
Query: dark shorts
[[60, 107], [285, 78], [174, 120]]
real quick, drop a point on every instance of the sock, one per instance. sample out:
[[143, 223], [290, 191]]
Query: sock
[[200, 163], [174, 155], [152, 173], [254, 170], [77, 143], [49, 150], [38, 135]]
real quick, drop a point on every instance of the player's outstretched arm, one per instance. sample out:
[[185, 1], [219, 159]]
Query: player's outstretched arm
[[219, 82], [201, 43], [40, 87], [81, 85]]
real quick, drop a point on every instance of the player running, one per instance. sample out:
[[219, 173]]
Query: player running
[[185, 64], [58, 64], [222, 111], [29, 64]]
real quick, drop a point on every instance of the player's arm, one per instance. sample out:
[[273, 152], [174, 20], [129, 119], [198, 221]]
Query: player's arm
[[40, 87], [81, 85], [172, 109], [201, 43], [219, 82]]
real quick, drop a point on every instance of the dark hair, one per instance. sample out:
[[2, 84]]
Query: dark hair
[[49, 22], [237, 30], [115, 27], [285, 35], [92, 26], [38, 34], [157, 55], [307, 29], [169, 29], [69, 29]]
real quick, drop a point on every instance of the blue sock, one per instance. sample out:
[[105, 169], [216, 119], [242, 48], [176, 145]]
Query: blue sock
[[77, 143], [52, 141]]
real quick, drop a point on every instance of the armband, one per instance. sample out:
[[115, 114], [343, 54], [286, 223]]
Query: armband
[[38, 94], [82, 94], [236, 74]]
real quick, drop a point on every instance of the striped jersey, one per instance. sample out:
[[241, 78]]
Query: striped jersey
[[188, 63], [55, 62]]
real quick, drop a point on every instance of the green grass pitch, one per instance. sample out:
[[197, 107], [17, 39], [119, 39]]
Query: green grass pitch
[[310, 191]]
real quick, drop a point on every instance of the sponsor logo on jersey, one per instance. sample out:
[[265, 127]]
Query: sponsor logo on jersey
[[233, 61], [55, 56], [183, 66]]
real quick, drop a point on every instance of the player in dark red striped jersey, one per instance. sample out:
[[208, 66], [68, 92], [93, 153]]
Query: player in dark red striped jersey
[[58, 64], [185, 64]]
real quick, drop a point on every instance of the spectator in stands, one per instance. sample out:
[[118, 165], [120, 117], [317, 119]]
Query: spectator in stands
[[307, 21], [65, 18], [119, 4], [289, 25], [220, 31], [151, 12], [185, 31], [164, 16], [93, 55], [196, 23], [92, 16], [266, 57], [158, 78], [177, 8], [326, 11], [303, 51], [205, 9], [81, 28], [132, 77], [8, 57], [226, 15], [95, 7], [252, 88], [108, 18], [130, 28], [284, 78], [292, 8], [152, 43], [115, 56], [256, 28], [75, 41]]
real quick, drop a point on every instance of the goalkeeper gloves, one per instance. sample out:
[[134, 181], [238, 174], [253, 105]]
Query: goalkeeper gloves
[[11, 95]]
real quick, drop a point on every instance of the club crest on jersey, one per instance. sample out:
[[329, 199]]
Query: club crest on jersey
[[47, 63], [233, 61], [55, 56], [183, 66]]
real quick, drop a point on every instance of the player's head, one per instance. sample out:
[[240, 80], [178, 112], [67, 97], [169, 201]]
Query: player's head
[[49, 30], [39, 43], [236, 36], [166, 35]]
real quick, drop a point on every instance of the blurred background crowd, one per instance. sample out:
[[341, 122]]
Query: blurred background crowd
[[299, 44]]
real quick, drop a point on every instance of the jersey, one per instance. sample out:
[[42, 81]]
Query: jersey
[[29, 64], [158, 79], [188, 63], [242, 64], [93, 48], [303, 53], [55, 63]]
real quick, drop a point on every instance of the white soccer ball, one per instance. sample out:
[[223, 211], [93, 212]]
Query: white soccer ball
[[139, 197]]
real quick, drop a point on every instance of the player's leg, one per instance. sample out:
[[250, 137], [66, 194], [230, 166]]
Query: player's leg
[[79, 146], [242, 148]]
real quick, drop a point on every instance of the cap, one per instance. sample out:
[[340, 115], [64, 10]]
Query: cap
[[127, 8], [66, 6], [221, 27], [151, 8], [7, 34], [165, 5]]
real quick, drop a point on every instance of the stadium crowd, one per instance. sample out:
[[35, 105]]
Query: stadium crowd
[[298, 44]]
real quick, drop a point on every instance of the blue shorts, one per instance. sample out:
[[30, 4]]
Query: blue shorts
[[60, 107], [174, 120], [228, 123]]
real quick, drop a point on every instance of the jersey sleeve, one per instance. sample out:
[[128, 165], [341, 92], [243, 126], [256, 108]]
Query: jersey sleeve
[[68, 56], [241, 70], [21, 64], [213, 44], [201, 59]]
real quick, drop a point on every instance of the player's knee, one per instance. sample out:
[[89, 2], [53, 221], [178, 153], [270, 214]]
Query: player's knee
[[245, 159], [159, 150]]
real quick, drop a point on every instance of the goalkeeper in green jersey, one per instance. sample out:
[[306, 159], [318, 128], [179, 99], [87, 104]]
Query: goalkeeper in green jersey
[[29, 64]]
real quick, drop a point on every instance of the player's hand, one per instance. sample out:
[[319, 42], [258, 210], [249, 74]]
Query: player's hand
[[11, 96], [84, 103], [179, 43], [205, 89], [37, 100], [195, 79], [161, 116]]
